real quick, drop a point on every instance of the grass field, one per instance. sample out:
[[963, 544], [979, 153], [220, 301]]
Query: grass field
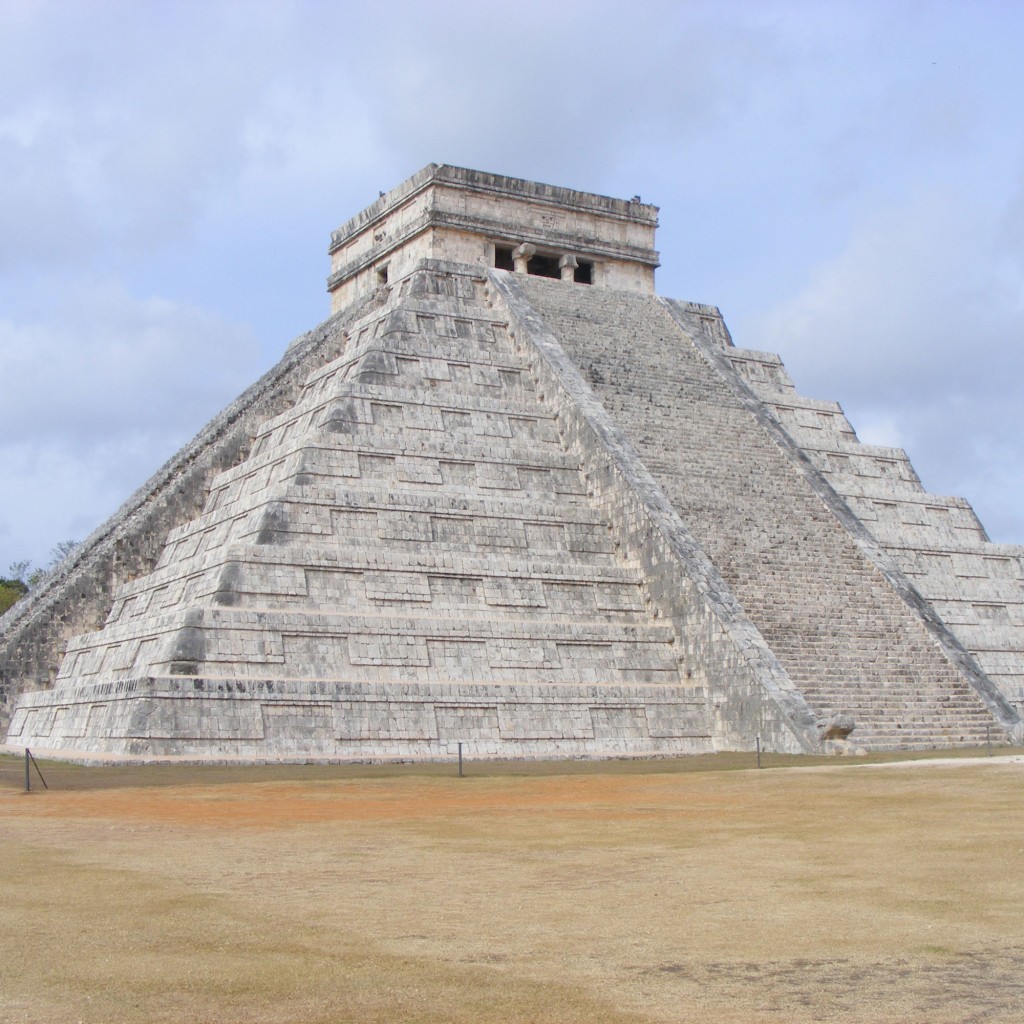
[[626, 891]]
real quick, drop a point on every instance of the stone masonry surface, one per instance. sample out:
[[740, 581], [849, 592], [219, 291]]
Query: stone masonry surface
[[407, 559], [78, 594], [975, 586], [537, 514], [846, 639]]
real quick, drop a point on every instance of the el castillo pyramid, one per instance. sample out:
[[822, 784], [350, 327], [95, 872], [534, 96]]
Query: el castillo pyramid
[[507, 496]]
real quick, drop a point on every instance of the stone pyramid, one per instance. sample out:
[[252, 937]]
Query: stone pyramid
[[509, 498]]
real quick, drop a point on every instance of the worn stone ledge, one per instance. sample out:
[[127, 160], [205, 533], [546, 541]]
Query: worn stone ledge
[[77, 595], [750, 692], [1004, 713]]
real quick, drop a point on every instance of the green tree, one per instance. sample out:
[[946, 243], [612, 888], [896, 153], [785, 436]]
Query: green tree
[[11, 590], [22, 577]]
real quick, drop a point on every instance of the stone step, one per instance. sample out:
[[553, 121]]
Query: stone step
[[354, 456], [820, 604], [341, 622], [428, 561], [319, 510], [417, 397]]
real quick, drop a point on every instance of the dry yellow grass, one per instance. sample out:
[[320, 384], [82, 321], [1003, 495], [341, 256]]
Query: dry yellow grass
[[853, 894]]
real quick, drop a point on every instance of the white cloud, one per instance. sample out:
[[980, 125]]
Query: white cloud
[[912, 291], [922, 344], [106, 363], [54, 491], [96, 397], [126, 126], [857, 159], [120, 124]]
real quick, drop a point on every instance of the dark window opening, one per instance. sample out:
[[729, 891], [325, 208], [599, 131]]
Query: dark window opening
[[584, 273], [382, 275], [543, 266], [503, 257]]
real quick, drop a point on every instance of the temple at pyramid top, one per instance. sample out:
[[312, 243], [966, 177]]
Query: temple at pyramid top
[[471, 217]]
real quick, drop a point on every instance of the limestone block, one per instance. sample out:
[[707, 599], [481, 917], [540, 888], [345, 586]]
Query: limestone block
[[456, 723], [418, 470], [298, 727], [514, 593], [385, 720], [404, 526], [498, 476], [523, 721], [676, 719], [388, 650], [622, 724]]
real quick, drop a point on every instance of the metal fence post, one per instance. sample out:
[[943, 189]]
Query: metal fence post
[[29, 761]]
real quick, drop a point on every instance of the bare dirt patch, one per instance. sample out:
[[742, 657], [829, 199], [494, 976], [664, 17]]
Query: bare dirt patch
[[557, 895]]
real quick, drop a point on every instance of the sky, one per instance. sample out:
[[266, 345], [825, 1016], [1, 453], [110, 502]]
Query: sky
[[845, 181]]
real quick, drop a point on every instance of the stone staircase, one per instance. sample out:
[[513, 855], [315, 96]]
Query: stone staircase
[[847, 640], [407, 559], [421, 550], [977, 587], [525, 516]]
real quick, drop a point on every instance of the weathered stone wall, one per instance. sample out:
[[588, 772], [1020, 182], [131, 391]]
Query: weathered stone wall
[[751, 697], [974, 586], [456, 214], [77, 596], [435, 523], [852, 638], [407, 558], [246, 720]]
